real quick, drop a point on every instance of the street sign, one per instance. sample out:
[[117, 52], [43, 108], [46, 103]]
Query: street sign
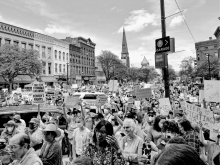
[[159, 61], [162, 45]]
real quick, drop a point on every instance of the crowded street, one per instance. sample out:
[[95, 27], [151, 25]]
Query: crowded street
[[109, 82]]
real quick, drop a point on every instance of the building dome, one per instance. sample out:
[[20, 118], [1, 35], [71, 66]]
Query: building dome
[[144, 63]]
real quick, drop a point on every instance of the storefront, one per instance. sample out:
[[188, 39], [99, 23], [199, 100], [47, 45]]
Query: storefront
[[49, 80]]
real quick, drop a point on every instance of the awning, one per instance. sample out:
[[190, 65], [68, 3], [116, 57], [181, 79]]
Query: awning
[[20, 79], [49, 79]]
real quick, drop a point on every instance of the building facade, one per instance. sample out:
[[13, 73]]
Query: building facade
[[124, 53], [84, 63], [206, 47]]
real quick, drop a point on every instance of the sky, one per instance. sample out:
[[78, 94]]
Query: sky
[[102, 22]]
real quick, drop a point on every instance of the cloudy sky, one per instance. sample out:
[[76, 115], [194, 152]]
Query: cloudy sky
[[102, 21]]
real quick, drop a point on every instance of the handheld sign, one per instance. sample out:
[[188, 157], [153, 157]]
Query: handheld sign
[[101, 100], [38, 93], [143, 93], [164, 106], [71, 101], [211, 90]]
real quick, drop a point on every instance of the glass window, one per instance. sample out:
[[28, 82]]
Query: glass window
[[7, 41], [49, 68], [56, 70], [67, 57], [55, 54], [43, 52], [16, 43], [59, 55], [60, 68], [44, 67], [37, 48], [31, 46], [64, 68], [23, 45], [49, 51]]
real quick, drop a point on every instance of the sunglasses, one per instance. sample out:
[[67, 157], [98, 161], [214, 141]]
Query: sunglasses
[[126, 127]]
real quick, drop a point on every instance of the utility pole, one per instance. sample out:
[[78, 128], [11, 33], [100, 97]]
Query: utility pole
[[165, 69]]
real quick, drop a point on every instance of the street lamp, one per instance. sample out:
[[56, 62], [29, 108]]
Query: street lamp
[[208, 56]]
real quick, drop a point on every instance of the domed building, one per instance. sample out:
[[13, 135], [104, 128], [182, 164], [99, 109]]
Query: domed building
[[144, 63]]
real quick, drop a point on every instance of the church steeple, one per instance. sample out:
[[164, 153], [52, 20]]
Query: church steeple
[[124, 52]]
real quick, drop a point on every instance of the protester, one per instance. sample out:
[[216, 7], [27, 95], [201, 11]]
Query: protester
[[5, 158], [9, 131], [21, 152], [20, 122], [105, 149], [51, 150]]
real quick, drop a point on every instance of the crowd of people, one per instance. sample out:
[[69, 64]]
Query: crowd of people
[[117, 133]]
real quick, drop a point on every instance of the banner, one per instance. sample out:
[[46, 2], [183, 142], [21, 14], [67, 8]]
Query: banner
[[143, 93], [164, 106], [198, 115], [71, 101], [211, 90], [38, 93]]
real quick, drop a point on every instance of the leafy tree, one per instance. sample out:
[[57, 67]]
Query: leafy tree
[[15, 61], [112, 66], [203, 69], [172, 73], [186, 67]]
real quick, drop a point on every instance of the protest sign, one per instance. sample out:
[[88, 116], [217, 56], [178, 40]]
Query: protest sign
[[74, 86], [143, 93], [101, 100], [193, 100], [164, 106], [113, 85], [198, 115], [71, 101], [38, 93], [201, 95], [211, 90]]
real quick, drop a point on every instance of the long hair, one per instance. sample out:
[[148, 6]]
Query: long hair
[[156, 123], [186, 125], [108, 127], [178, 154]]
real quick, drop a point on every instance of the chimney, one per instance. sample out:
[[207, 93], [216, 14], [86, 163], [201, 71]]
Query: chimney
[[210, 38]]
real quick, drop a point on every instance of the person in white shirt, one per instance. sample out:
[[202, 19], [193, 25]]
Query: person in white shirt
[[20, 122], [107, 114], [80, 138]]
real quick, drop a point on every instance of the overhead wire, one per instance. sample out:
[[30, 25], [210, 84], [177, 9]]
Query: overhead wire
[[185, 21]]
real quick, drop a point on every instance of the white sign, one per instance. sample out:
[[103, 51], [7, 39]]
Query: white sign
[[143, 93], [211, 90], [193, 99], [38, 92], [198, 115], [101, 100], [164, 106], [113, 85], [201, 95]]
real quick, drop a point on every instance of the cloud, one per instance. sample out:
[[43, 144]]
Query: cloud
[[152, 36], [176, 21], [113, 8], [138, 20]]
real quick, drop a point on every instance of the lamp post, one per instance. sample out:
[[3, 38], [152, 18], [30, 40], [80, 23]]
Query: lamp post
[[208, 56]]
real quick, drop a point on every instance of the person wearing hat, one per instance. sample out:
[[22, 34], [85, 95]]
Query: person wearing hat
[[21, 152], [20, 123], [51, 153], [4, 154], [35, 134], [9, 131]]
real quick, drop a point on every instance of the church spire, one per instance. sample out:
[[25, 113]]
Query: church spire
[[124, 52]]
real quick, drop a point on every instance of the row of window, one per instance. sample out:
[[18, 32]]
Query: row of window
[[87, 52], [82, 60], [49, 68], [206, 48], [62, 68], [62, 56], [201, 57]]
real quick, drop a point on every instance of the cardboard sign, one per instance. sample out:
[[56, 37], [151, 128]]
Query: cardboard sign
[[211, 90], [71, 101], [164, 106], [74, 86], [38, 93], [201, 95], [193, 100], [143, 93], [198, 115], [101, 100], [113, 85]]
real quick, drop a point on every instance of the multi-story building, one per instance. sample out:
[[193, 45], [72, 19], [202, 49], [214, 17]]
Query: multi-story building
[[100, 75], [44, 45], [84, 63], [206, 47], [61, 60]]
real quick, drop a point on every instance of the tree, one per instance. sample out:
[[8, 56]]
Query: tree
[[203, 69], [112, 66], [15, 61], [172, 73], [186, 67]]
